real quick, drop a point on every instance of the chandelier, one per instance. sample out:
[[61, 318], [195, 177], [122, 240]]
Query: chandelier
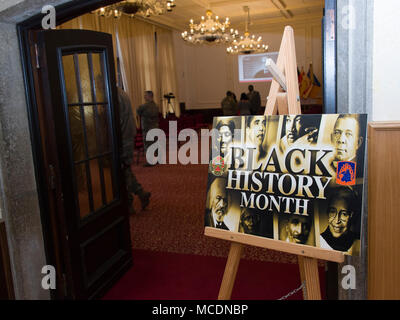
[[210, 30], [247, 44], [144, 8]]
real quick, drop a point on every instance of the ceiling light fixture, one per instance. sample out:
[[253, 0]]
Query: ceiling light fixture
[[144, 8], [210, 30], [247, 44]]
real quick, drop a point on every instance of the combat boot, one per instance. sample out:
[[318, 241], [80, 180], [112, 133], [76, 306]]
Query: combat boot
[[130, 203], [144, 197]]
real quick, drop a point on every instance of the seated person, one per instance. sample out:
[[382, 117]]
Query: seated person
[[244, 105], [229, 104]]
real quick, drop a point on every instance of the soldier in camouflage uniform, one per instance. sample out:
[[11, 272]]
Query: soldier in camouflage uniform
[[128, 133], [255, 100], [229, 105], [148, 113]]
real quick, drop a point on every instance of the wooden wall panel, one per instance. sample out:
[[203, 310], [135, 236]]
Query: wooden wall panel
[[383, 210]]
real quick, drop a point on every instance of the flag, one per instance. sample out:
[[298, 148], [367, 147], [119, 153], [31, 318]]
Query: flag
[[310, 82], [302, 75], [299, 75], [315, 79], [305, 83]]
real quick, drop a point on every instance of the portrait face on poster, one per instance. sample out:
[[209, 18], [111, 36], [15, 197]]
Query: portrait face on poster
[[292, 178]]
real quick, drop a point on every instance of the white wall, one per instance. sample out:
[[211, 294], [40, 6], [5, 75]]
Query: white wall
[[386, 62], [205, 72], [5, 4]]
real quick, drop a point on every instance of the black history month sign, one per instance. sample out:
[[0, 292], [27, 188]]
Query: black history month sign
[[294, 178]]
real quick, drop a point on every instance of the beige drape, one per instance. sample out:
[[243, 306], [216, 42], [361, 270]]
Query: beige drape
[[166, 70], [135, 45], [95, 23]]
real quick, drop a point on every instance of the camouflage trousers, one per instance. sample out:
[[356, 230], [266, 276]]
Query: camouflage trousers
[[132, 185]]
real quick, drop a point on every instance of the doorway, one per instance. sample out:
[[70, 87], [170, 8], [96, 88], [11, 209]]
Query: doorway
[[65, 12], [76, 140]]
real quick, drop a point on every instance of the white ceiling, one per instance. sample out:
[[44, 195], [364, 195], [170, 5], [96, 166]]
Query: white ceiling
[[263, 13]]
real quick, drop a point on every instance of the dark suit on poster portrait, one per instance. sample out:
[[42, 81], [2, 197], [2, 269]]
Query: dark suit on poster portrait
[[253, 220], [249, 222], [225, 137], [217, 204], [343, 216], [299, 130], [347, 139], [255, 135], [209, 222]]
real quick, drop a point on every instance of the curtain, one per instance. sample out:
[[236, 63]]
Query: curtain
[[142, 68], [95, 23], [167, 71], [136, 41], [87, 22]]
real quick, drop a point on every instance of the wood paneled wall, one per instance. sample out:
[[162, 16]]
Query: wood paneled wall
[[384, 210]]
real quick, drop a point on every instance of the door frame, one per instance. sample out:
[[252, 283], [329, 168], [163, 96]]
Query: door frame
[[329, 56], [64, 13]]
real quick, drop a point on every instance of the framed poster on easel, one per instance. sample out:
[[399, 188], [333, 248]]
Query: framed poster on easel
[[287, 182]]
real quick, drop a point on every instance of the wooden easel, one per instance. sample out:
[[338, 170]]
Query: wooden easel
[[284, 98]]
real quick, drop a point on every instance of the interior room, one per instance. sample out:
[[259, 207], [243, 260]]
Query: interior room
[[201, 74], [151, 54], [83, 197]]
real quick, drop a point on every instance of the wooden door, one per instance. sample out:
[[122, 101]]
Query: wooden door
[[79, 123], [383, 210]]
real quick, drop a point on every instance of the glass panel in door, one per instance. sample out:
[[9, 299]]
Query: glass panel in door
[[90, 133]]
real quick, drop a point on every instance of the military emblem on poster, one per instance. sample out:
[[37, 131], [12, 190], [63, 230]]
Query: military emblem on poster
[[293, 178]]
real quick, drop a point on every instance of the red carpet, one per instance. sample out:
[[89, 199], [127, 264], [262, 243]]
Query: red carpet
[[174, 220], [171, 276], [174, 260]]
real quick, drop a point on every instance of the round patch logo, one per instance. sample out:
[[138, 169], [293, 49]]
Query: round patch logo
[[218, 166]]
